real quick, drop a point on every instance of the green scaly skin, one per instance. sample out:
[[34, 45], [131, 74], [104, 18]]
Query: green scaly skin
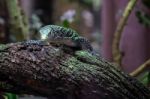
[[55, 33]]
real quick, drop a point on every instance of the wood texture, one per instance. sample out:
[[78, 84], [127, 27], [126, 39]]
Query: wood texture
[[62, 72]]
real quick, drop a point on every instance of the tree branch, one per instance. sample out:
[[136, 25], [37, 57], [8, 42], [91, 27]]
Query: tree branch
[[117, 35], [63, 73], [140, 69]]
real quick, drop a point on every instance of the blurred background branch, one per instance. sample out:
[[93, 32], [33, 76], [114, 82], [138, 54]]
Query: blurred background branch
[[18, 24], [117, 55]]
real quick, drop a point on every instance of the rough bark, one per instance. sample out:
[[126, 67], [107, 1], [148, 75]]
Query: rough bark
[[64, 73]]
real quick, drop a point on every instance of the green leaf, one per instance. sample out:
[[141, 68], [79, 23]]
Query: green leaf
[[10, 96], [145, 78], [65, 23], [143, 18]]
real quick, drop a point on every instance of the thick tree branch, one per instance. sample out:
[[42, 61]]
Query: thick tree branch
[[63, 73]]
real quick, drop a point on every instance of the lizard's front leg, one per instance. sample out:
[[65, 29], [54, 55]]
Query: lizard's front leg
[[35, 42]]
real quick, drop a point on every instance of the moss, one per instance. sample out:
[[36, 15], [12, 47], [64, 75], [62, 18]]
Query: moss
[[3, 47], [73, 65], [87, 57], [80, 70], [5, 85]]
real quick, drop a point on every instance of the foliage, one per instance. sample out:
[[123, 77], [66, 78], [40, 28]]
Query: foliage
[[143, 17], [145, 78], [10, 96], [65, 23]]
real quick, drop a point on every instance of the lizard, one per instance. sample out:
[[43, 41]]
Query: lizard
[[58, 34], [55, 33]]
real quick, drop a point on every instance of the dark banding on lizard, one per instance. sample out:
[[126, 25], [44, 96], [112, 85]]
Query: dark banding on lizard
[[54, 33], [58, 33]]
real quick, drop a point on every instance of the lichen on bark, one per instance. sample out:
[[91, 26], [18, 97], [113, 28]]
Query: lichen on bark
[[65, 73]]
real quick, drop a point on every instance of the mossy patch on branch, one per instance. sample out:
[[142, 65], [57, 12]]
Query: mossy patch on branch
[[3, 47]]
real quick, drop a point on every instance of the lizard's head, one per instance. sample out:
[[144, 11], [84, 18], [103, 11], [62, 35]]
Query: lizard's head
[[44, 32]]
